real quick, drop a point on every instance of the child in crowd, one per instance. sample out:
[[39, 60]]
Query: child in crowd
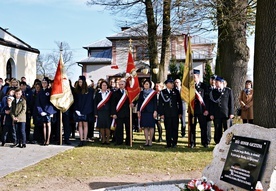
[[7, 122], [18, 114]]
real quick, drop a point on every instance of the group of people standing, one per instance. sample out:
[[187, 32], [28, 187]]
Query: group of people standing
[[108, 105], [215, 102]]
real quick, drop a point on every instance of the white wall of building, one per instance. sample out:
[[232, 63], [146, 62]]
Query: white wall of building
[[24, 63]]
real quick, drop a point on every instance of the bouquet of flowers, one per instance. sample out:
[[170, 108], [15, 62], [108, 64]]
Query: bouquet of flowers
[[201, 184]]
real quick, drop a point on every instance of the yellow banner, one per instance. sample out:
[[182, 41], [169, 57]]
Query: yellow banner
[[188, 83]]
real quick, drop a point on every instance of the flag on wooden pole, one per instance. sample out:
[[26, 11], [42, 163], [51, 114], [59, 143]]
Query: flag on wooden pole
[[188, 83], [61, 95], [132, 85]]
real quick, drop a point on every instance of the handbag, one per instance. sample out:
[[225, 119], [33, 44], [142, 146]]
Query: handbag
[[238, 112]]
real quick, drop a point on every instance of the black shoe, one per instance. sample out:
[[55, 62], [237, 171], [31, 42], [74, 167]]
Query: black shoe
[[80, 144], [168, 146], [173, 146], [23, 146], [19, 145], [205, 146], [3, 144], [67, 142], [160, 139]]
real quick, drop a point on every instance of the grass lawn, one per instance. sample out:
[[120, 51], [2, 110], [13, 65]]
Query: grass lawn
[[96, 160]]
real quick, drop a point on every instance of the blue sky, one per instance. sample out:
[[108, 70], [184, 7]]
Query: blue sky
[[42, 22]]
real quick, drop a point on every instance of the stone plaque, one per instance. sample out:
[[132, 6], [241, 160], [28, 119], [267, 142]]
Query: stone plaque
[[244, 162]]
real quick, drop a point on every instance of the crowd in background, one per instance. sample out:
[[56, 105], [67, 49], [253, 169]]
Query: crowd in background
[[105, 105]]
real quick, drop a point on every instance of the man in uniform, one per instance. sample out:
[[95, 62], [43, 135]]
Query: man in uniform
[[201, 105], [221, 108], [211, 86], [177, 83], [170, 109]]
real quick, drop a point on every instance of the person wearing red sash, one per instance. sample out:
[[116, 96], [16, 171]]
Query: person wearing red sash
[[102, 111], [120, 112], [201, 112], [147, 111]]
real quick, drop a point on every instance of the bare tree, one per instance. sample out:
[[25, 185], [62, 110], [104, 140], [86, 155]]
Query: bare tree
[[47, 64], [165, 58], [232, 20], [141, 10], [42, 67], [265, 65]]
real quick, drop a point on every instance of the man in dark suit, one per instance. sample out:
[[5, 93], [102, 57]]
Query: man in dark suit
[[170, 109], [211, 86], [121, 113], [177, 83], [201, 105], [221, 107]]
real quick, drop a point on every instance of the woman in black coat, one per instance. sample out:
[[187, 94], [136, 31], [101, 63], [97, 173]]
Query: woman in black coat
[[45, 109], [147, 111], [83, 104], [102, 103]]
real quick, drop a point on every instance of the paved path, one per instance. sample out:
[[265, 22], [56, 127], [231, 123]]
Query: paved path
[[14, 159]]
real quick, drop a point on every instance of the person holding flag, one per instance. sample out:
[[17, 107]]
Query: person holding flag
[[120, 112], [122, 101], [188, 84], [201, 105], [62, 98], [147, 111]]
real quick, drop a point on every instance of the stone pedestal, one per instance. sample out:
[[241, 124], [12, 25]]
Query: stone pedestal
[[214, 170]]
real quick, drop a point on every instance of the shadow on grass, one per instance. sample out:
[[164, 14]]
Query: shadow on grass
[[98, 185], [138, 144]]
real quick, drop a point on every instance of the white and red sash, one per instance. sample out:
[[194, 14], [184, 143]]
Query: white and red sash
[[121, 101], [147, 100], [200, 99], [104, 100]]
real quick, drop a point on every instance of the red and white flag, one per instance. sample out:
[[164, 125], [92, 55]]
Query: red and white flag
[[132, 85], [61, 95]]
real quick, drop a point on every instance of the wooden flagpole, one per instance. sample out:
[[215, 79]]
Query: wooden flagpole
[[189, 128], [130, 125], [60, 129]]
